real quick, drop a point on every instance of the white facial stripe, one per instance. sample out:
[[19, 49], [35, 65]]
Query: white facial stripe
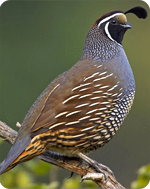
[[107, 32], [109, 17]]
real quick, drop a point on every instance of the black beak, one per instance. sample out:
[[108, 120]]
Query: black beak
[[127, 25]]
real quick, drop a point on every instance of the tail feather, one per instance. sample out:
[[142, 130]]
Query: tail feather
[[15, 151], [22, 150]]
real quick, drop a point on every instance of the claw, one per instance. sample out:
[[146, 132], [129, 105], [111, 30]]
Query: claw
[[105, 176], [101, 174], [71, 174], [100, 168], [104, 167], [82, 179]]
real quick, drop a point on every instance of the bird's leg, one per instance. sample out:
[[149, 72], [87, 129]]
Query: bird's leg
[[99, 167], [80, 163]]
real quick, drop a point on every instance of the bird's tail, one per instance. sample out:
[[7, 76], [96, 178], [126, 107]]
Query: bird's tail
[[21, 151]]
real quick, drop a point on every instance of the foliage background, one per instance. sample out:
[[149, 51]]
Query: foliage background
[[41, 39]]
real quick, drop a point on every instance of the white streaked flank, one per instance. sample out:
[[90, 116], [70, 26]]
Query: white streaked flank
[[77, 87], [114, 95], [81, 85], [99, 66], [113, 114], [70, 98], [112, 88], [102, 73], [111, 129], [101, 78], [81, 105], [104, 122], [96, 97], [82, 144], [102, 108], [108, 124], [103, 87], [57, 124], [75, 136], [94, 119], [60, 114], [83, 96], [107, 93], [95, 74], [107, 136], [90, 112], [72, 123], [96, 103], [83, 118], [72, 113], [105, 102], [97, 137], [84, 89], [88, 128], [104, 96], [91, 136], [99, 113], [68, 143], [98, 85], [97, 92], [91, 76], [104, 131], [116, 99], [119, 94], [85, 84], [100, 142]]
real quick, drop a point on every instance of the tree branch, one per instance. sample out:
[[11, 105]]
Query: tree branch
[[73, 164], [7, 133]]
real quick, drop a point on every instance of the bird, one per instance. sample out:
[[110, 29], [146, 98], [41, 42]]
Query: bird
[[83, 108]]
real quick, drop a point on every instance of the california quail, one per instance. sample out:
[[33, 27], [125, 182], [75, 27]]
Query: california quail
[[82, 109]]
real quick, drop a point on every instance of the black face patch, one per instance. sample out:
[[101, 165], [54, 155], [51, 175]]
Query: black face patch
[[116, 32]]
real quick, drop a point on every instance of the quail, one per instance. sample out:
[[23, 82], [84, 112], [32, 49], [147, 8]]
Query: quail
[[83, 108]]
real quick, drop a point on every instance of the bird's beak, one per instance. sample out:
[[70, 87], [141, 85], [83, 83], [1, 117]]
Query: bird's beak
[[127, 25]]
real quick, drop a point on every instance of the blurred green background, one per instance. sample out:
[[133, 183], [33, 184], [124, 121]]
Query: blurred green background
[[41, 39]]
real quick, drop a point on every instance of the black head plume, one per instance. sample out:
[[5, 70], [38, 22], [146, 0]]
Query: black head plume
[[140, 12]]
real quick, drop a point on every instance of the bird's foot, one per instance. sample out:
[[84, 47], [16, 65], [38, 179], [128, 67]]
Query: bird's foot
[[100, 169], [101, 174]]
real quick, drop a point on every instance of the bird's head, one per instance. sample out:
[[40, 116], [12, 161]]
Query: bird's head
[[114, 23]]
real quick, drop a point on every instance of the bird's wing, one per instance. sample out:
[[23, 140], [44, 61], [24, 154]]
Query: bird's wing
[[80, 107], [77, 104]]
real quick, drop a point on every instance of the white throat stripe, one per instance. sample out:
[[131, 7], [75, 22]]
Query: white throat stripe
[[107, 32], [109, 17]]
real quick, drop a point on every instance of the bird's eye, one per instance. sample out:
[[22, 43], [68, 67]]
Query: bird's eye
[[113, 21]]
